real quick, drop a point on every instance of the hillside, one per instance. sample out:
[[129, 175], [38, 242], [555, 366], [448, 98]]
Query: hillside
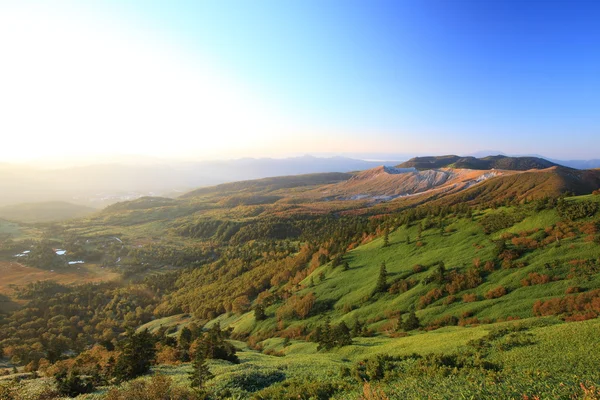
[[485, 163], [460, 276], [385, 183], [44, 211], [270, 184]]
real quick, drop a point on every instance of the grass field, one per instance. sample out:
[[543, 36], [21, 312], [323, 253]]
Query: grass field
[[552, 365], [13, 273]]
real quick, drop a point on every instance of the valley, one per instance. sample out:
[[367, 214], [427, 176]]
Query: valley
[[382, 284]]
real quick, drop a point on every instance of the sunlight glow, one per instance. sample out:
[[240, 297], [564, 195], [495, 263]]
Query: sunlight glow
[[74, 85]]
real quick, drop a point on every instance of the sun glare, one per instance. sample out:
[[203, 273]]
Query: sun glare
[[71, 85]]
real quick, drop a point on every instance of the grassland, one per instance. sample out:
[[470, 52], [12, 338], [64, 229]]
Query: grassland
[[553, 364], [15, 274]]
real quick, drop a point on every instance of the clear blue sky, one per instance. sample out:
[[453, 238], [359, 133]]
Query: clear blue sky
[[437, 76]]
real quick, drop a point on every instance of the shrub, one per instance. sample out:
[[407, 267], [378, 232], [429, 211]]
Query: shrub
[[72, 385], [535, 279], [585, 305], [401, 286], [159, 387], [430, 297], [496, 292], [469, 297]]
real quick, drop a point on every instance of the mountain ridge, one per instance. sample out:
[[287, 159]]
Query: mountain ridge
[[483, 163]]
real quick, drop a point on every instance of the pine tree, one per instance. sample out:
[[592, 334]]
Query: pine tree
[[412, 322], [137, 354], [381, 285], [399, 325], [440, 272], [259, 312], [326, 336], [342, 336], [200, 373], [185, 338], [386, 237]]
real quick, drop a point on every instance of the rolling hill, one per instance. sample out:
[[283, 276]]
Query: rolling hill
[[44, 211], [440, 278]]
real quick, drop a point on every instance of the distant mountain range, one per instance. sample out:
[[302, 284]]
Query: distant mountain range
[[485, 163], [103, 184]]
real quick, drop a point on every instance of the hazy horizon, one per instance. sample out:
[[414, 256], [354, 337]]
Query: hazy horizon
[[225, 80]]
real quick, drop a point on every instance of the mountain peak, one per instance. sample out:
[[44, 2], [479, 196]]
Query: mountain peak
[[484, 163]]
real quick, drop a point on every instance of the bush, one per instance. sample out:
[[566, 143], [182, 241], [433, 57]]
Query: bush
[[159, 387], [535, 279], [431, 296], [572, 210], [72, 385], [582, 306], [469, 298], [293, 389], [495, 293]]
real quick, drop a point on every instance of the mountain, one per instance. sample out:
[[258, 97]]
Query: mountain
[[532, 184], [44, 212], [579, 164], [485, 163], [439, 279], [104, 184], [387, 183]]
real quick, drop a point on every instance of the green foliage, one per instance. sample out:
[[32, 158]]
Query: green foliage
[[259, 312], [411, 322], [292, 389], [72, 385], [213, 345], [574, 210], [138, 353], [382, 285], [494, 222], [328, 336], [200, 373]]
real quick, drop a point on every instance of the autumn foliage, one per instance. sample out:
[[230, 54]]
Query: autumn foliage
[[573, 307]]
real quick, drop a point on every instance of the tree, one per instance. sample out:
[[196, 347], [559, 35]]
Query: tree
[[185, 338], [325, 337], [358, 328], [386, 237], [259, 312], [138, 352], [200, 373], [341, 335], [72, 385], [381, 285], [213, 345], [412, 322], [440, 272]]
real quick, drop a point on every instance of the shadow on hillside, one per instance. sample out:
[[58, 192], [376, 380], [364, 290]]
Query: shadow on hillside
[[7, 305]]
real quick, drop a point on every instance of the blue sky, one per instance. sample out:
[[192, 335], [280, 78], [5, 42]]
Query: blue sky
[[427, 76]]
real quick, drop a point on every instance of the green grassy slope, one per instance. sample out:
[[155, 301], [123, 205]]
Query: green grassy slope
[[347, 295]]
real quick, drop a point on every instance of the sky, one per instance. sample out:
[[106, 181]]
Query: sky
[[228, 79]]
